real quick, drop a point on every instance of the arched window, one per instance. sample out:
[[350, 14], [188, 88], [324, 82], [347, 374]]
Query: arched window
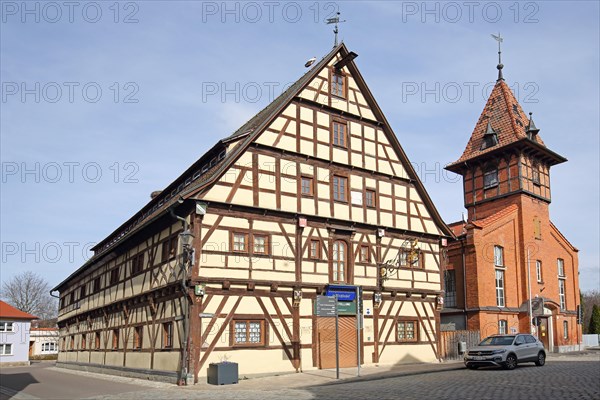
[[339, 261]]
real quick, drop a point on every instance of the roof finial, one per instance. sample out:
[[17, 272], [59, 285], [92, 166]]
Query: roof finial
[[499, 39], [335, 20], [532, 130]]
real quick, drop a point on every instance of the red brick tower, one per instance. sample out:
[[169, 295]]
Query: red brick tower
[[506, 183]]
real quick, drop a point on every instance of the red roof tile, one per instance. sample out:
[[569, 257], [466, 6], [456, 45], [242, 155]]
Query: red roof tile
[[506, 118], [495, 217], [8, 311]]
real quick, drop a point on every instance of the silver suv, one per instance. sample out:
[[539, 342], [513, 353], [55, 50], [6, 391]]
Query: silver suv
[[506, 351]]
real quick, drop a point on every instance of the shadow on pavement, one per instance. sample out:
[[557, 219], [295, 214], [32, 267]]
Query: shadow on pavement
[[12, 384]]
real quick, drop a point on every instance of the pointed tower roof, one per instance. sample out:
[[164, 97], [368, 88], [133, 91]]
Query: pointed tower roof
[[504, 115]]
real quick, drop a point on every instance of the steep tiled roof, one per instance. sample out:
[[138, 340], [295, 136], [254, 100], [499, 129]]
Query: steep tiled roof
[[9, 312], [506, 118], [496, 217], [458, 228]]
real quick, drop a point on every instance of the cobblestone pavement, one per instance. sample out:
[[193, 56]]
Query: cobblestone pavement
[[563, 377]]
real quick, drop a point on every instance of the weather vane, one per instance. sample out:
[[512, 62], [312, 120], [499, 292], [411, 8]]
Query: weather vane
[[499, 39], [335, 20]]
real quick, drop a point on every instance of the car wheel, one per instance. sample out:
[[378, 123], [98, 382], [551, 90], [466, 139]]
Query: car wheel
[[511, 362], [541, 359]]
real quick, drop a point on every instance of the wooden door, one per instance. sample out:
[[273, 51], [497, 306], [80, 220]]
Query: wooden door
[[543, 333], [326, 342]]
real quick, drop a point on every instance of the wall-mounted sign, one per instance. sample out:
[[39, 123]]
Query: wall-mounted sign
[[357, 198], [344, 293]]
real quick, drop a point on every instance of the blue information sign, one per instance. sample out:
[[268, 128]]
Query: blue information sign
[[344, 293]]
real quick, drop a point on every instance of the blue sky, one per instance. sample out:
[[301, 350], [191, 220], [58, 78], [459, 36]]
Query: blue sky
[[102, 104]]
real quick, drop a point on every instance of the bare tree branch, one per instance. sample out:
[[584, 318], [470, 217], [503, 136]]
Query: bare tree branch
[[30, 293]]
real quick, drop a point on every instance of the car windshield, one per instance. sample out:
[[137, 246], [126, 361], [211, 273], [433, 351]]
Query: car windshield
[[497, 341]]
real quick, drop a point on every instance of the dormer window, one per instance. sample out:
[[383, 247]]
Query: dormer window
[[490, 138], [489, 141]]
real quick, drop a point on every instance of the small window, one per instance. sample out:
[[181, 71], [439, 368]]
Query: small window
[[83, 341], [538, 270], [261, 244], [138, 333], [338, 134], [450, 288], [169, 248], [403, 258], [114, 276], [490, 179], [370, 198], [82, 292], [502, 327], [338, 84], [499, 256], [167, 335], [115, 339], [7, 327], [364, 254], [535, 173], [137, 264], [248, 333], [407, 331], [240, 242], [72, 344], [565, 329], [6, 349], [315, 249], [97, 285], [340, 187], [72, 297], [530, 339], [97, 340], [307, 186], [561, 267], [339, 261]]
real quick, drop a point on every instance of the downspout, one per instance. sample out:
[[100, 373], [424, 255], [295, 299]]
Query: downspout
[[464, 280], [186, 326]]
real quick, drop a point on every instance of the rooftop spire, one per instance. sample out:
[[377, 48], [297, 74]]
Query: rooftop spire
[[499, 39], [531, 128], [335, 20]]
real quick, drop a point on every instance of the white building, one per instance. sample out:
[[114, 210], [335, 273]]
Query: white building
[[14, 335], [43, 341]]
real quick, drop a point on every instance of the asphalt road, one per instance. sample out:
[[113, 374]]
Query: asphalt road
[[573, 377], [41, 381]]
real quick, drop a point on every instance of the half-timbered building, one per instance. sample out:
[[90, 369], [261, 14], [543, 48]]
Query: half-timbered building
[[510, 266], [314, 195]]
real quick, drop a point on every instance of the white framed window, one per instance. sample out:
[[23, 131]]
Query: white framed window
[[7, 327], [565, 329], [499, 256], [49, 347], [499, 288], [561, 294], [5, 349], [502, 327], [538, 270], [560, 264]]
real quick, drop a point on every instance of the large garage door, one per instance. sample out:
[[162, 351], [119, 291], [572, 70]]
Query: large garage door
[[326, 340]]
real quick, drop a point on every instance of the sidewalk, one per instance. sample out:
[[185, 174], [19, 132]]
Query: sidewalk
[[322, 377]]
